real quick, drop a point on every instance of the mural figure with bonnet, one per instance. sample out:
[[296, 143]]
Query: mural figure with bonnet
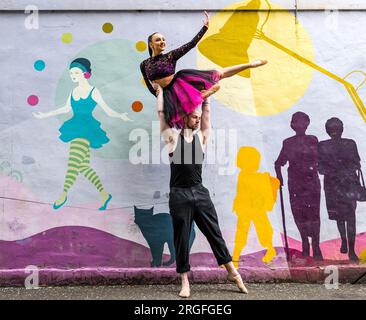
[[83, 131], [339, 162]]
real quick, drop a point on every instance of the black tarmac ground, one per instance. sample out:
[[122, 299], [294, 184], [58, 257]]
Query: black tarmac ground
[[275, 291]]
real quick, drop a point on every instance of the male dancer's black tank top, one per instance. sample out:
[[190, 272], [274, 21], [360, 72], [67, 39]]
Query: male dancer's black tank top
[[186, 163]]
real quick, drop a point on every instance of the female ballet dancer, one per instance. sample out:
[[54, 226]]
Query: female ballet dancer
[[83, 131], [185, 90]]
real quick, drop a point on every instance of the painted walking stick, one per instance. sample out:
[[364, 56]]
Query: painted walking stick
[[284, 225]]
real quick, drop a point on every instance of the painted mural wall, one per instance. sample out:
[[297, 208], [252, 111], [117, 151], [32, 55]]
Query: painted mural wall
[[284, 161]]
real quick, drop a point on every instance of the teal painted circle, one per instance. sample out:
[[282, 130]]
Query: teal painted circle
[[39, 65], [116, 74]]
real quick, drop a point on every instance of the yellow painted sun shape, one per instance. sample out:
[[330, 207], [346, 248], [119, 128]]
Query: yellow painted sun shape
[[233, 39]]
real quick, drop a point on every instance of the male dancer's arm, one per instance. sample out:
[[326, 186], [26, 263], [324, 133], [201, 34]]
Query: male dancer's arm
[[205, 121], [168, 134]]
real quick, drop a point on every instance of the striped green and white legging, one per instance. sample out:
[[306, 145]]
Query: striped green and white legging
[[79, 162]]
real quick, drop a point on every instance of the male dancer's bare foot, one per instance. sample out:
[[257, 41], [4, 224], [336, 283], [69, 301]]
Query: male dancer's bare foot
[[61, 199], [238, 281], [206, 93], [234, 276], [258, 63], [185, 291]]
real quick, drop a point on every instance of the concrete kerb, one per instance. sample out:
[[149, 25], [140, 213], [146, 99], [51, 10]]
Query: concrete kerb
[[145, 276]]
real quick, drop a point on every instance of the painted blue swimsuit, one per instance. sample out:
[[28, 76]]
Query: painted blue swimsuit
[[83, 124]]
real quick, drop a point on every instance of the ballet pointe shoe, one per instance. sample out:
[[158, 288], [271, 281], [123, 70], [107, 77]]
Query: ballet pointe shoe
[[60, 202], [238, 281], [185, 292], [258, 63], [206, 93]]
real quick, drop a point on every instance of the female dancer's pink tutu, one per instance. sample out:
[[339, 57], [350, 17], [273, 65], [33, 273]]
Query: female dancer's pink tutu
[[183, 94]]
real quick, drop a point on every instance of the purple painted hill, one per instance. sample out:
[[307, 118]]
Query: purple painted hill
[[73, 247], [80, 247]]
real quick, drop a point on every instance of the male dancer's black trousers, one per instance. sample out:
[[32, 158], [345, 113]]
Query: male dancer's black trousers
[[194, 204]]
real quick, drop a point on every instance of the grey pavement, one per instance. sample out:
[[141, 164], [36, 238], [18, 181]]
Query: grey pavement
[[274, 291]]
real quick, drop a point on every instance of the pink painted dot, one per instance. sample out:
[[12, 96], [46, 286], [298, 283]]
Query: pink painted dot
[[33, 100]]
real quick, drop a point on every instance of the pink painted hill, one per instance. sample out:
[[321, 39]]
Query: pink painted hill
[[77, 247]]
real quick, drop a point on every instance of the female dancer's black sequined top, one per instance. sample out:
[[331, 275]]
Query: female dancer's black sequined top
[[163, 65]]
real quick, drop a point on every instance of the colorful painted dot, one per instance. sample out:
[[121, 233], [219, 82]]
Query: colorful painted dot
[[39, 65], [66, 38], [141, 46], [137, 106], [33, 100], [107, 27]]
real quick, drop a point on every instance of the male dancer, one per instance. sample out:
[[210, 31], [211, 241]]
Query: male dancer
[[189, 200]]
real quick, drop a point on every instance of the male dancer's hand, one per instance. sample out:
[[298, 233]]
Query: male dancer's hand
[[157, 88]]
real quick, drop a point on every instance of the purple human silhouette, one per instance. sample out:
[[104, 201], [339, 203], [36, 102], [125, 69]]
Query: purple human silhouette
[[301, 153], [338, 162]]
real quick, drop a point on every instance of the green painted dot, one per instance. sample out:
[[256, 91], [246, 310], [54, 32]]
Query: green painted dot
[[107, 27], [66, 38]]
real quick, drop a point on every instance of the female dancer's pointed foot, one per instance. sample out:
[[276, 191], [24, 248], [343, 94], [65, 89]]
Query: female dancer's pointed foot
[[106, 197], [60, 201], [238, 281], [258, 63], [206, 93], [185, 292]]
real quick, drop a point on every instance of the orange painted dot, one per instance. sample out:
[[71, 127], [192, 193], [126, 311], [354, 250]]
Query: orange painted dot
[[137, 106]]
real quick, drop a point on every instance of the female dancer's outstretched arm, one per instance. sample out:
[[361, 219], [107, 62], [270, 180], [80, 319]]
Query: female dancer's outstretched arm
[[62, 110], [181, 51], [97, 97]]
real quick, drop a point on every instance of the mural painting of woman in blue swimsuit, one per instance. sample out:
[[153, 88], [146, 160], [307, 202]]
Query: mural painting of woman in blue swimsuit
[[83, 131]]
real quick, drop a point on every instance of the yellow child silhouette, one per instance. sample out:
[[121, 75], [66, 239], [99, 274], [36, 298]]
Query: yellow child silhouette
[[255, 196]]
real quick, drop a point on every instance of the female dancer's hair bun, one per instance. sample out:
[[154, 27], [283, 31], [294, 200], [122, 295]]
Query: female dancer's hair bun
[[149, 41]]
